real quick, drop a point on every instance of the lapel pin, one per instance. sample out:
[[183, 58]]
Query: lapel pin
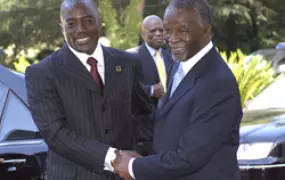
[[118, 68]]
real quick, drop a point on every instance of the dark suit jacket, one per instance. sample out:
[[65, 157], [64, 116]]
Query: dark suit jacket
[[76, 122], [151, 77], [150, 72], [196, 133]]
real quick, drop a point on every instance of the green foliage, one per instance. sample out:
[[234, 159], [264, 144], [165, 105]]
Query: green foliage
[[252, 77], [21, 64], [122, 28]]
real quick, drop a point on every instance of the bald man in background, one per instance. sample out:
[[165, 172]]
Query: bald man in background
[[156, 63]]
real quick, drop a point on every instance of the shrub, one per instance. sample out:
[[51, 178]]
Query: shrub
[[252, 77]]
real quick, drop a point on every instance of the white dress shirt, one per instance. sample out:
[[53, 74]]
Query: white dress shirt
[[186, 66], [99, 56]]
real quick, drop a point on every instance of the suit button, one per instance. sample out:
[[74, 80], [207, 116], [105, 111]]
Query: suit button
[[103, 108], [107, 131]]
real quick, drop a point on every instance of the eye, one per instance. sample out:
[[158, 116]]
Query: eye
[[183, 30], [89, 20], [70, 24], [166, 30]]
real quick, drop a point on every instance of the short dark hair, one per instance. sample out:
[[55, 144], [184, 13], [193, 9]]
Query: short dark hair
[[66, 4], [201, 7]]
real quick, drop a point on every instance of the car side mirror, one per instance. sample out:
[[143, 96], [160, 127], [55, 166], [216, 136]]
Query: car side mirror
[[23, 134]]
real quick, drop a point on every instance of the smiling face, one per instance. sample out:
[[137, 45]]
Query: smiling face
[[184, 33], [81, 27]]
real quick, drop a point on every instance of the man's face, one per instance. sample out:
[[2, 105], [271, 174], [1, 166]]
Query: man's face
[[183, 33], [153, 33], [81, 28]]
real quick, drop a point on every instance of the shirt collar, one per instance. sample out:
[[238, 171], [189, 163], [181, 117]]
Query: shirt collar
[[151, 50], [190, 63], [83, 57]]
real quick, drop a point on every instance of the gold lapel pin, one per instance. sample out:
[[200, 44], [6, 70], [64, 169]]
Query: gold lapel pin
[[118, 69]]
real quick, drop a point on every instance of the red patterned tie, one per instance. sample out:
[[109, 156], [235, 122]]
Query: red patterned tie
[[94, 72]]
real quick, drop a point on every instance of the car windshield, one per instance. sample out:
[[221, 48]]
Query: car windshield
[[269, 98], [16, 122]]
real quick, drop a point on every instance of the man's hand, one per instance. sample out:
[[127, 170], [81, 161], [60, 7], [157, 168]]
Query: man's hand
[[121, 163], [133, 154], [1, 160], [158, 91]]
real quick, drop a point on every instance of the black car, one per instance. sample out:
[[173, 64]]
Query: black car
[[21, 145], [261, 154]]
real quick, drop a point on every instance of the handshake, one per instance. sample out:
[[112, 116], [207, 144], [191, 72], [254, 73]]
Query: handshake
[[121, 163]]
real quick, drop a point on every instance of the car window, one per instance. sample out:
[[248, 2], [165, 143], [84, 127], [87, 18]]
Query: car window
[[3, 96], [16, 121]]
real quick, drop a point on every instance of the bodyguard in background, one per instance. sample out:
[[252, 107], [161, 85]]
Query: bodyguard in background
[[156, 62]]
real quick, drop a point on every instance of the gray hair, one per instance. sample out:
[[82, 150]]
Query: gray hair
[[201, 7]]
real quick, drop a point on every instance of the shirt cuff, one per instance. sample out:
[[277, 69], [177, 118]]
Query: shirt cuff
[[151, 91], [110, 157], [130, 167]]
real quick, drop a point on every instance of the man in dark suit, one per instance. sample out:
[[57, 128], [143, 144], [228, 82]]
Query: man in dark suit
[[83, 98], [196, 132], [156, 61]]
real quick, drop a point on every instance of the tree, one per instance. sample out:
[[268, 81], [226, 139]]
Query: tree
[[32, 24], [122, 26], [246, 23]]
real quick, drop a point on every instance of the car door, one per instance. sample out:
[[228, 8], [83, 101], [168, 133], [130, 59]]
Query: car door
[[20, 142]]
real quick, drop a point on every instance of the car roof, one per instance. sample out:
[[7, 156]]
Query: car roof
[[15, 81]]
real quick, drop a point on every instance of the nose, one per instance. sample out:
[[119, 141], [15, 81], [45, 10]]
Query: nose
[[80, 27], [173, 37], [158, 32]]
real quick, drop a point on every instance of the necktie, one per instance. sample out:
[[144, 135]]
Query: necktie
[[161, 70], [94, 72], [178, 76]]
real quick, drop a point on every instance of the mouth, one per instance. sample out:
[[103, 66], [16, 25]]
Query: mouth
[[82, 40], [159, 40], [177, 50]]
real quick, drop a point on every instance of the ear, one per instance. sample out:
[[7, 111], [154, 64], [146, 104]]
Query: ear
[[142, 35], [61, 28], [208, 31]]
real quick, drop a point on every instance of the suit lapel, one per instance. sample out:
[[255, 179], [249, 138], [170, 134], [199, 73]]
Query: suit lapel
[[167, 60], [148, 61], [113, 70], [187, 83], [170, 75], [72, 65]]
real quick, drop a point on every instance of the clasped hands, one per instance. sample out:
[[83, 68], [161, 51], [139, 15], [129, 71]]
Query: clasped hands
[[121, 163]]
